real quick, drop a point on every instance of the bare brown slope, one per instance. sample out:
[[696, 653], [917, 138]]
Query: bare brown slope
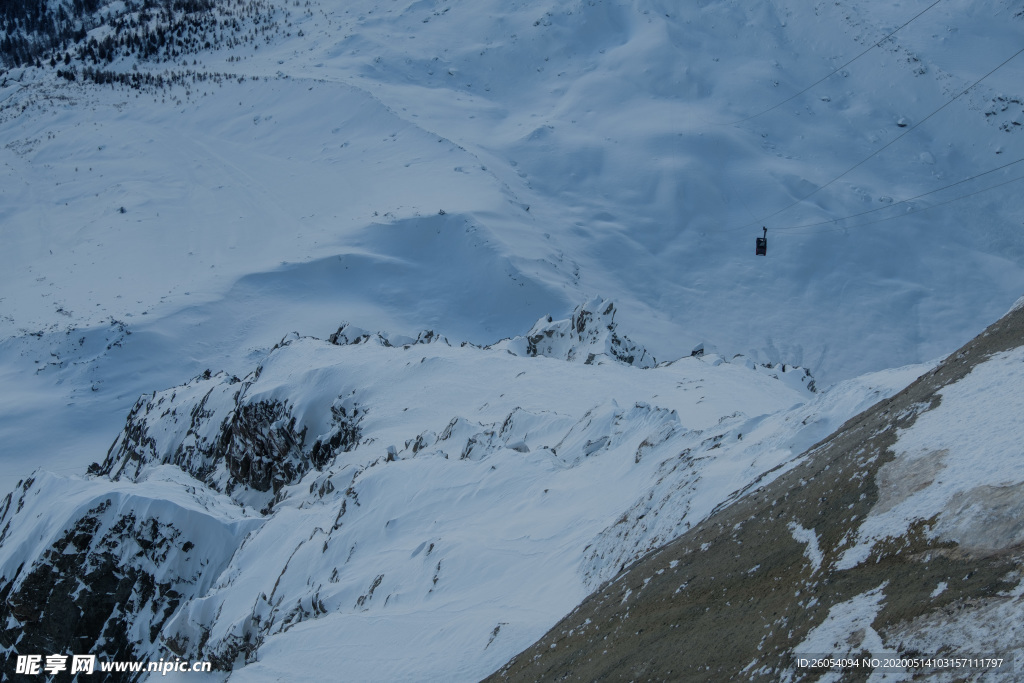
[[731, 598]]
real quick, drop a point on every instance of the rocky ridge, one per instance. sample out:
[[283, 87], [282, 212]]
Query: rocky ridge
[[233, 511]]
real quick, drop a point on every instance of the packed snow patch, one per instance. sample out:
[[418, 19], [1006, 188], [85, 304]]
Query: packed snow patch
[[847, 630], [969, 479], [810, 540]]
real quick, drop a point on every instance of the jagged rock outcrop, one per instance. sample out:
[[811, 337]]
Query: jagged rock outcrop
[[348, 334], [223, 432], [590, 335]]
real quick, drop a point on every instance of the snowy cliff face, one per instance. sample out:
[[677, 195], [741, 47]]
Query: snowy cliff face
[[229, 435], [900, 535], [403, 510], [93, 566]]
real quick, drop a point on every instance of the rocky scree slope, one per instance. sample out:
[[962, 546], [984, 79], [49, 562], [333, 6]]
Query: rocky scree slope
[[900, 533]]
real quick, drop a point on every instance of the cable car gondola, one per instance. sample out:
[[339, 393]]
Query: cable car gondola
[[762, 244]]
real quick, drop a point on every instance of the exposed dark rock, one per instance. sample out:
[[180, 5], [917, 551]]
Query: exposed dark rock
[[231, 441], [86, 591], [590, 334], [348, 334]]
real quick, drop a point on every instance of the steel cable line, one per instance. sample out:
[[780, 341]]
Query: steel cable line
[[833, 73], [882, 148], [923, 208], [902, 201]]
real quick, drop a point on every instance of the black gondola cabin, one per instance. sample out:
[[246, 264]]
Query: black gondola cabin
[[762, 244]]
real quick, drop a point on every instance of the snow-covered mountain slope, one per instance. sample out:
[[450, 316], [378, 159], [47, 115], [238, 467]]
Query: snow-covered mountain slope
[[394, 509], [292, 174], [183, 184], [897, 539]]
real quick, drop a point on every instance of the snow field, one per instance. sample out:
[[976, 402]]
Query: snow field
[[577, 150]]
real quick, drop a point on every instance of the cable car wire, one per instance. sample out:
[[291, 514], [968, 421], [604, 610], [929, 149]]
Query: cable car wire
[[902, 201], [833, 73], [919, 210], [880, 149]]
